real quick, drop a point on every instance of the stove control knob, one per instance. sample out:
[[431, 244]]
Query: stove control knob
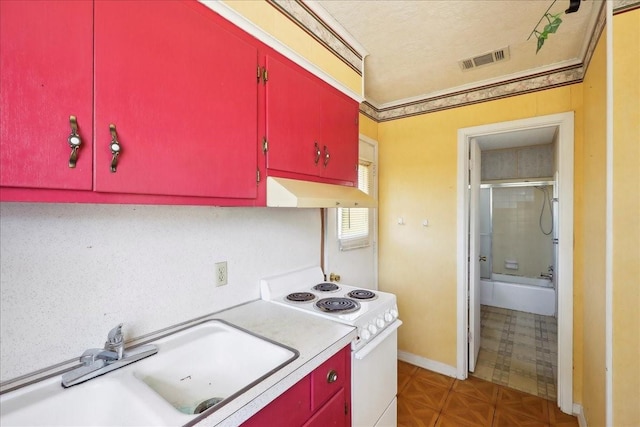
[[388, 317], [372, 328], [365, 335], [394, 313], [380, 322]]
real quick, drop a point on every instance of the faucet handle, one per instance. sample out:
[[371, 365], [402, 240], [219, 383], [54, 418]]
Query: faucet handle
[[88, 357], [115, 335], [115, 341]]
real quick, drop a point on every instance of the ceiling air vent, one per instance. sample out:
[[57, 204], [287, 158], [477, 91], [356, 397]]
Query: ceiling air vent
[[485, 59]]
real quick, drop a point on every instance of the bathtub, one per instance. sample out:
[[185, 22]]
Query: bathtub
[[519, 293]]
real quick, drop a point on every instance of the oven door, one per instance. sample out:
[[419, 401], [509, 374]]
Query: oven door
[[375, 379]]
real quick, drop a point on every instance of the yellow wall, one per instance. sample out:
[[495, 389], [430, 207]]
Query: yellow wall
[[418, 178], [368, 127], [626, 220], [284, 30], [591, 185], [418, 181], [418, 161]]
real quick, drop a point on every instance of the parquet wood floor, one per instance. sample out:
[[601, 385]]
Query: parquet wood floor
[[428, 399]]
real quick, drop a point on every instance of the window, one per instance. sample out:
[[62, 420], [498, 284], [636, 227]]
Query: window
[[353, 223]]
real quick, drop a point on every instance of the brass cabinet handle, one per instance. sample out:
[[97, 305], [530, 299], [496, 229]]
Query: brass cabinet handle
[[74, 141], [333, 277], [317, 153], [326, 156], [332, 376], [115, 147]]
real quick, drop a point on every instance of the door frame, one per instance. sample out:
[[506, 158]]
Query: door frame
[[564, 157], [330, 232]]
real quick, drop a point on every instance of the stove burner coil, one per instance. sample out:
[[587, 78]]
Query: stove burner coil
[[362, 294], [301, 297], [326, 287], [338, 305]]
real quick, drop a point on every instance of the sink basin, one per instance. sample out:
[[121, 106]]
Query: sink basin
[[104, 401], [212, 362]]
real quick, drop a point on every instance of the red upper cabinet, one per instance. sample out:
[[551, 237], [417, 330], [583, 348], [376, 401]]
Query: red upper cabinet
[[311, 128], [46, 52], [292, 119], [181, 92], [175, 89], [339, 130]]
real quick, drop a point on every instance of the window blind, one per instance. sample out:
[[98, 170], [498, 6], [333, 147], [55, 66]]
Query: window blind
[[353, 223]]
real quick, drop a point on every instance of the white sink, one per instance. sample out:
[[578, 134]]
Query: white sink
[[102, 401], [212, 359]]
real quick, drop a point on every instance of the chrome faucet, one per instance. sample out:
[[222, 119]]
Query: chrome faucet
[[115, 341], [549, 274], [99, 361]]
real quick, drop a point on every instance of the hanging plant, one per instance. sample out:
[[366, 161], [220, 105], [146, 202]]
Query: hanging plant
[[553, 22]]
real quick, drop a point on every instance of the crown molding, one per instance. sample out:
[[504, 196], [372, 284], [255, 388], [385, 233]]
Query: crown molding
[[620, 6], [315, 21]]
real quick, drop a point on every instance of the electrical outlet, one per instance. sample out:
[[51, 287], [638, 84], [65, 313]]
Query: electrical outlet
[[221, 273]]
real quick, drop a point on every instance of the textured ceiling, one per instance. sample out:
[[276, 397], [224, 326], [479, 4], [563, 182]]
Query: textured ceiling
[[414, 47]]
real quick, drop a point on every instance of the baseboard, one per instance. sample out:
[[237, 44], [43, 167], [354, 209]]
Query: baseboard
[[429, 364], [578, 411]]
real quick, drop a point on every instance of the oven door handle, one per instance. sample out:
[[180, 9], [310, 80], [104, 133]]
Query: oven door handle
[[370, 346]]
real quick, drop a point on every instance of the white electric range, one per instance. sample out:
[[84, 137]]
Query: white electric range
[[373, 353]]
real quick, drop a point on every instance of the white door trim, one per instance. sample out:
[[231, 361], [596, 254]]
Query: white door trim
[[564, 153], [334, 260]]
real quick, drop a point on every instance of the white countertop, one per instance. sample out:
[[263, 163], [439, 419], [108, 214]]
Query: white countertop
[[315, 339]]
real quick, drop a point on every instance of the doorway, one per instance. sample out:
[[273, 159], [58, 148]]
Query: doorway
[[469, 163]]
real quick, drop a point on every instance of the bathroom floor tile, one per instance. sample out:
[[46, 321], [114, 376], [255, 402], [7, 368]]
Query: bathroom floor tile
[[519, 350]]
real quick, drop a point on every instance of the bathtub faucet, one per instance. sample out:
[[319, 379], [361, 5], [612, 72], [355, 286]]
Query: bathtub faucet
[[549, 274]]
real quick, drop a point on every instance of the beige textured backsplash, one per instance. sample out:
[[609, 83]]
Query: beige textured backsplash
[[70, 272]]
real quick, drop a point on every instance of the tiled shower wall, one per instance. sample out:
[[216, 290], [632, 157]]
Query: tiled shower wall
[[517, 235]]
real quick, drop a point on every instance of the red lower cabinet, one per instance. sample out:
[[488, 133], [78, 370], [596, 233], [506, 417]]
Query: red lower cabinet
[[321, 399], [333, 413]]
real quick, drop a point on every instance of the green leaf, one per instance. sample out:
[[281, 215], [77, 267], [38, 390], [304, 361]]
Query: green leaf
[[552, 27], [540, 42]]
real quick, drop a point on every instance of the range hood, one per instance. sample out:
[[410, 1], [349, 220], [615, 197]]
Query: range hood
[[292, 193]]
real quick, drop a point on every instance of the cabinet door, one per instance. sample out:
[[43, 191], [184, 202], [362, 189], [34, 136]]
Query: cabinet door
[[329, 377], [181, 91], [291, 408], [46, 50], [292, 119], [333, 413], [339, 124]]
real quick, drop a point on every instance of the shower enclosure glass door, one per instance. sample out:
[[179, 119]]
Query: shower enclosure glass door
[[516, 232]]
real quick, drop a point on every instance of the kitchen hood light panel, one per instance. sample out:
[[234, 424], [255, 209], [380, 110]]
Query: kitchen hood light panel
[[284, 192]]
